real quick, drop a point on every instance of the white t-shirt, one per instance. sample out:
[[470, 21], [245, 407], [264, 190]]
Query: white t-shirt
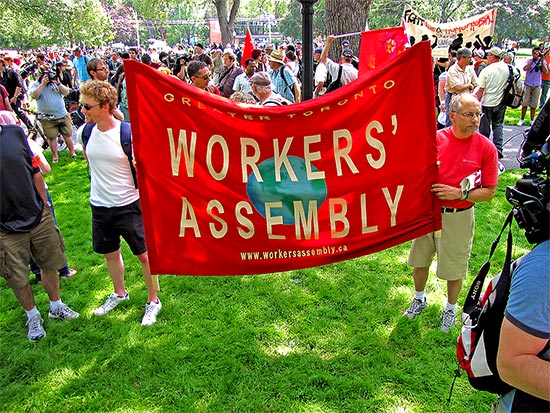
[[493, 80], [112, 184]]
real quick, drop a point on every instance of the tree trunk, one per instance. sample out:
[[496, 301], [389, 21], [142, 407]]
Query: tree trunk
[[227, 18], [346, 16]]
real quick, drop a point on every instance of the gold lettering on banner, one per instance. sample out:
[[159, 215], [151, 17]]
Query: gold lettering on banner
[[247, 231], [393, 203], [306, 222], [188, 219], [219, 140], [336, 217], [184, 146], [309, 157], [365, 229], [281, 158], [216, 233], [343, 152], [376, 144], [250, 160], [272, 220]]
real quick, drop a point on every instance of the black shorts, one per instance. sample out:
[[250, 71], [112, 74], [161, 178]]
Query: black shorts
[[109, 224]]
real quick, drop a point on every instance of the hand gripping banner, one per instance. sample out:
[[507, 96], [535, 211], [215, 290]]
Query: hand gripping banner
[[229, 189]]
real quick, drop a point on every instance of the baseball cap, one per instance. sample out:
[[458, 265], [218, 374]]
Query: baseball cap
[[345, 43], [495, 51], [347, 53], [261, 79]]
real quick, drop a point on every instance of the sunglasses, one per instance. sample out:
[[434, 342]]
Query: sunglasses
[[88, 107]]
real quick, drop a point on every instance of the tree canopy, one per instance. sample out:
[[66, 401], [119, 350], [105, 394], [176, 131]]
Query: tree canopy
[[39, 23]]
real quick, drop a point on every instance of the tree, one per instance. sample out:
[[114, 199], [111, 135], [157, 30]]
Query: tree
[[346, 16], [227, 18]]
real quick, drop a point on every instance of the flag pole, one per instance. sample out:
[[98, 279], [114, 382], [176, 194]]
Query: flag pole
[[347, 34]]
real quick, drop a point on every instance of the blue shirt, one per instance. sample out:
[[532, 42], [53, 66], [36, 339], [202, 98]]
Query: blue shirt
[[80, 66], [283, 87], [50, 102]]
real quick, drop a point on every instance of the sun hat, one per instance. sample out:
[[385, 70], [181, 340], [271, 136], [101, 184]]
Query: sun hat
[[276, 56]]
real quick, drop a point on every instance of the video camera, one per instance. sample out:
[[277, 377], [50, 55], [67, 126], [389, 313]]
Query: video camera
[[531, 194]]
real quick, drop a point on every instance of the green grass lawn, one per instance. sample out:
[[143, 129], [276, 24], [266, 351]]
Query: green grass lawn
[[327, 339]]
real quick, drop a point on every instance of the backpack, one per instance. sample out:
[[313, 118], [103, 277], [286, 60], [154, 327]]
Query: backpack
[[477, 344], [513, 91], [125, 142], [335, 84]]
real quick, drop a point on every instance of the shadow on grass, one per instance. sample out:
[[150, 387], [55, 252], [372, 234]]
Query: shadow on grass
[[325, 339]]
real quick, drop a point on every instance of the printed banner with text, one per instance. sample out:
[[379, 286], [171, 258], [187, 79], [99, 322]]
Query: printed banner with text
[[229, 189], [473, 32]]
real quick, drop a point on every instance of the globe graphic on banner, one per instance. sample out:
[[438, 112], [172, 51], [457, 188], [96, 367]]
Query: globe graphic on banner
[[286, 190]]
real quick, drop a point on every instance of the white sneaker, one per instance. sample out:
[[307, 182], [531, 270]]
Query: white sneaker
[[415, 308], [520, 123], [448, 318], [110, 303], [151, 311], [63, 312], [35, 330]]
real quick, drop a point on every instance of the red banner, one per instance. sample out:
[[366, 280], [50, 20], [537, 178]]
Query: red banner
[[248, 47], [377, 46], [229, 188]]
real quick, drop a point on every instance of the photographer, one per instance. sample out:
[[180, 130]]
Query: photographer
[[48, 92], [534, 68], [523, 358]]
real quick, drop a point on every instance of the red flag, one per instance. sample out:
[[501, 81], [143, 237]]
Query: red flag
[[229, 188], [377, 46], [248, 47]]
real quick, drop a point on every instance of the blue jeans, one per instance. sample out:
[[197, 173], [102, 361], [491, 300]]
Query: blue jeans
[[493, 117], [448, 97], [544, 92]]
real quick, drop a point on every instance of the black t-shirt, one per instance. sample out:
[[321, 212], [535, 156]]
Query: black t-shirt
[[20, 203], [10, 79]]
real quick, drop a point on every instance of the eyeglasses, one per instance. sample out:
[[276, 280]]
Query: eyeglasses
[[471, 115], [205, 77], [101, 69], [88, 107]]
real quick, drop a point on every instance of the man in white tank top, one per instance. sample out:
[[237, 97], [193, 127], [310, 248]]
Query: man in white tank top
[[114, 197]]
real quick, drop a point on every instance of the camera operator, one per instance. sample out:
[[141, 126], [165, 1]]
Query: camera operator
[[523, 358], [48, 92], [534, 68]]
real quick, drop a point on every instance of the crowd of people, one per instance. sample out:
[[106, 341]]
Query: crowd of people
[[470, 86]]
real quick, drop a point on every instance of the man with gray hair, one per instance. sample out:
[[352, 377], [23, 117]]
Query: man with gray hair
[[461, 78], [461, 153], [492, 81], [262, 89]]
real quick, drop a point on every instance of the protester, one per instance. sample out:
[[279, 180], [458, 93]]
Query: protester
[[461, 77], [45, 168], [26, 224], [492, 82], [523, 358], [228, 73], [462, 151], [242, 82], [534, 68], [49, 92], [114, 198], [199, 74], [284, 82], [349, 72], [545, 77], [262, 89]]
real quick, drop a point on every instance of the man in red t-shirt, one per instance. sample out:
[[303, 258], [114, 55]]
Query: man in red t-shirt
[[468, 173]]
